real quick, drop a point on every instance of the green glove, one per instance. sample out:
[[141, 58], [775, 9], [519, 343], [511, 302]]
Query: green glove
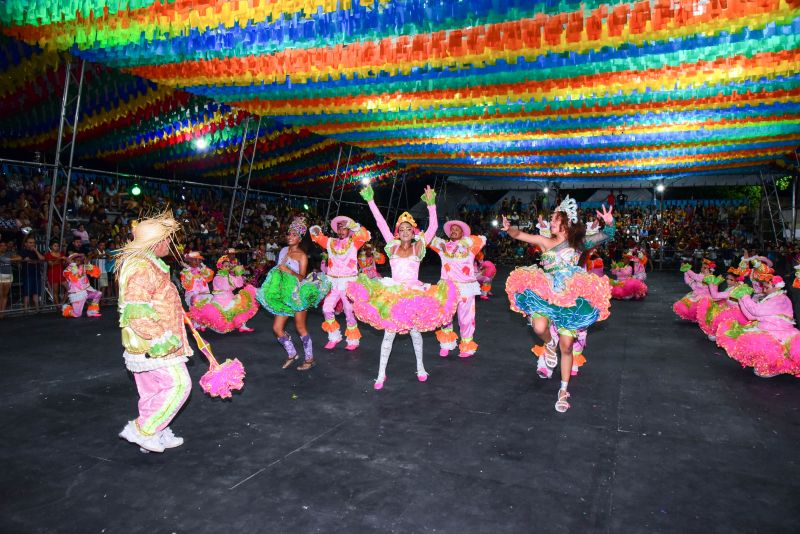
[[686, 267], [429, 198], [741, 291], [367, 193], [238, 270]]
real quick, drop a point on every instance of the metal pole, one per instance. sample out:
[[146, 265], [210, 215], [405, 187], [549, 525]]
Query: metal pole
[[333, 185], [238, 173], [794, 196], [344, 177], [51, 212], [71, 153], [391, 196], [249, 174]]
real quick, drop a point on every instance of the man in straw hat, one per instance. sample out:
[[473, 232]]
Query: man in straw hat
[[153, 333], [341, 268], [458, 265]]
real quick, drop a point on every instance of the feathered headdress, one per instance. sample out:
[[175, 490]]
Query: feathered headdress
[[147, 234], [299, 226], [570, 207]]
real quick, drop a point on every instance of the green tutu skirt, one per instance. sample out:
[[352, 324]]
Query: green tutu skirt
[[283, 294]]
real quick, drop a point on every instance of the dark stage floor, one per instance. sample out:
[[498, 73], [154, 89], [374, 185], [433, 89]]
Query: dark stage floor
[[665, 434]]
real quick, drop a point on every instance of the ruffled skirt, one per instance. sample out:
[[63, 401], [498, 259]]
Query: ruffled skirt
[[394, 307], [769, 353], [686, 308], [283, 294], [584, 299], [224, 313], [629, 289]]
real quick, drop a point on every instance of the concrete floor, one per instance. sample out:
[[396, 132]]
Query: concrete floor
[[666, 434]]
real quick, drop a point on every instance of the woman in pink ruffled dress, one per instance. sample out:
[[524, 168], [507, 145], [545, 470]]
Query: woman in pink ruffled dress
[[720, 306], [686, 308], [769, 342], [224, 311], [401, 303]]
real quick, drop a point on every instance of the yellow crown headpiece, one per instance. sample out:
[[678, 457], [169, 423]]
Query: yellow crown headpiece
[[405, 217]]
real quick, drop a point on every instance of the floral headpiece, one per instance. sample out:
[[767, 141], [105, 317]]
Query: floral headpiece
[[405, 217], [570, 208], [222, 259], [778, 282], [709, 264], [299, 226]]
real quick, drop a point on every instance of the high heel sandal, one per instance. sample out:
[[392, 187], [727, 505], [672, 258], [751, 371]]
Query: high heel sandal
[[561, 404], [550, 356], [289, 362]]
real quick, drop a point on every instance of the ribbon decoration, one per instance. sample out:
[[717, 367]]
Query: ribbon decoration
[[563, 89]]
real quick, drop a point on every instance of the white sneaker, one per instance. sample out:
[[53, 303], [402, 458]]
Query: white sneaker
[[148, 443], [168, 439]]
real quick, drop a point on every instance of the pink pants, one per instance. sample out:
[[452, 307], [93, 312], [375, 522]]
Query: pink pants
[[77, 305], [329, 307], [162, 392], [466, 320]]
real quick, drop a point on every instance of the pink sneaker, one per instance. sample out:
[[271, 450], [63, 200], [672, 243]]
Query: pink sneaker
[[466, 354], [245, 329], [422, 377], [574, 370], [379, 384], [330, 345], [349, 347], [444, 353]]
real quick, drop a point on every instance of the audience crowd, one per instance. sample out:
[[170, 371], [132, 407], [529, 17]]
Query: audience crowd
[[99, 216]]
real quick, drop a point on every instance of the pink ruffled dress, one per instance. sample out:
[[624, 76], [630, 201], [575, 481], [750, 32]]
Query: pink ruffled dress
[[717, 308], [686, 308], [402, 303], [769, 342], [224, 311], [560, 290], [626, 286]]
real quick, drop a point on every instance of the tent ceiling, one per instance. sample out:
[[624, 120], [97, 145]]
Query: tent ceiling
[[133, 125], [547, 91]]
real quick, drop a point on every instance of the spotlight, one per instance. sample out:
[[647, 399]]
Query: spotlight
[[305, 207], [365, 181], [495, 223], [200, 143], [546, 190], [660, 188], [136, 190]]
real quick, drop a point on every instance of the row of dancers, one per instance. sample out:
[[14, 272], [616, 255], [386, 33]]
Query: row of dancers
[[560, 299], [752, 319]]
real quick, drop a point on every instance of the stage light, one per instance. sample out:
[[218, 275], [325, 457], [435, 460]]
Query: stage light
[[136, 190], [305, 207], [200, 143], [546, 190], [660, 188], [495, 223], [365, 181]]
